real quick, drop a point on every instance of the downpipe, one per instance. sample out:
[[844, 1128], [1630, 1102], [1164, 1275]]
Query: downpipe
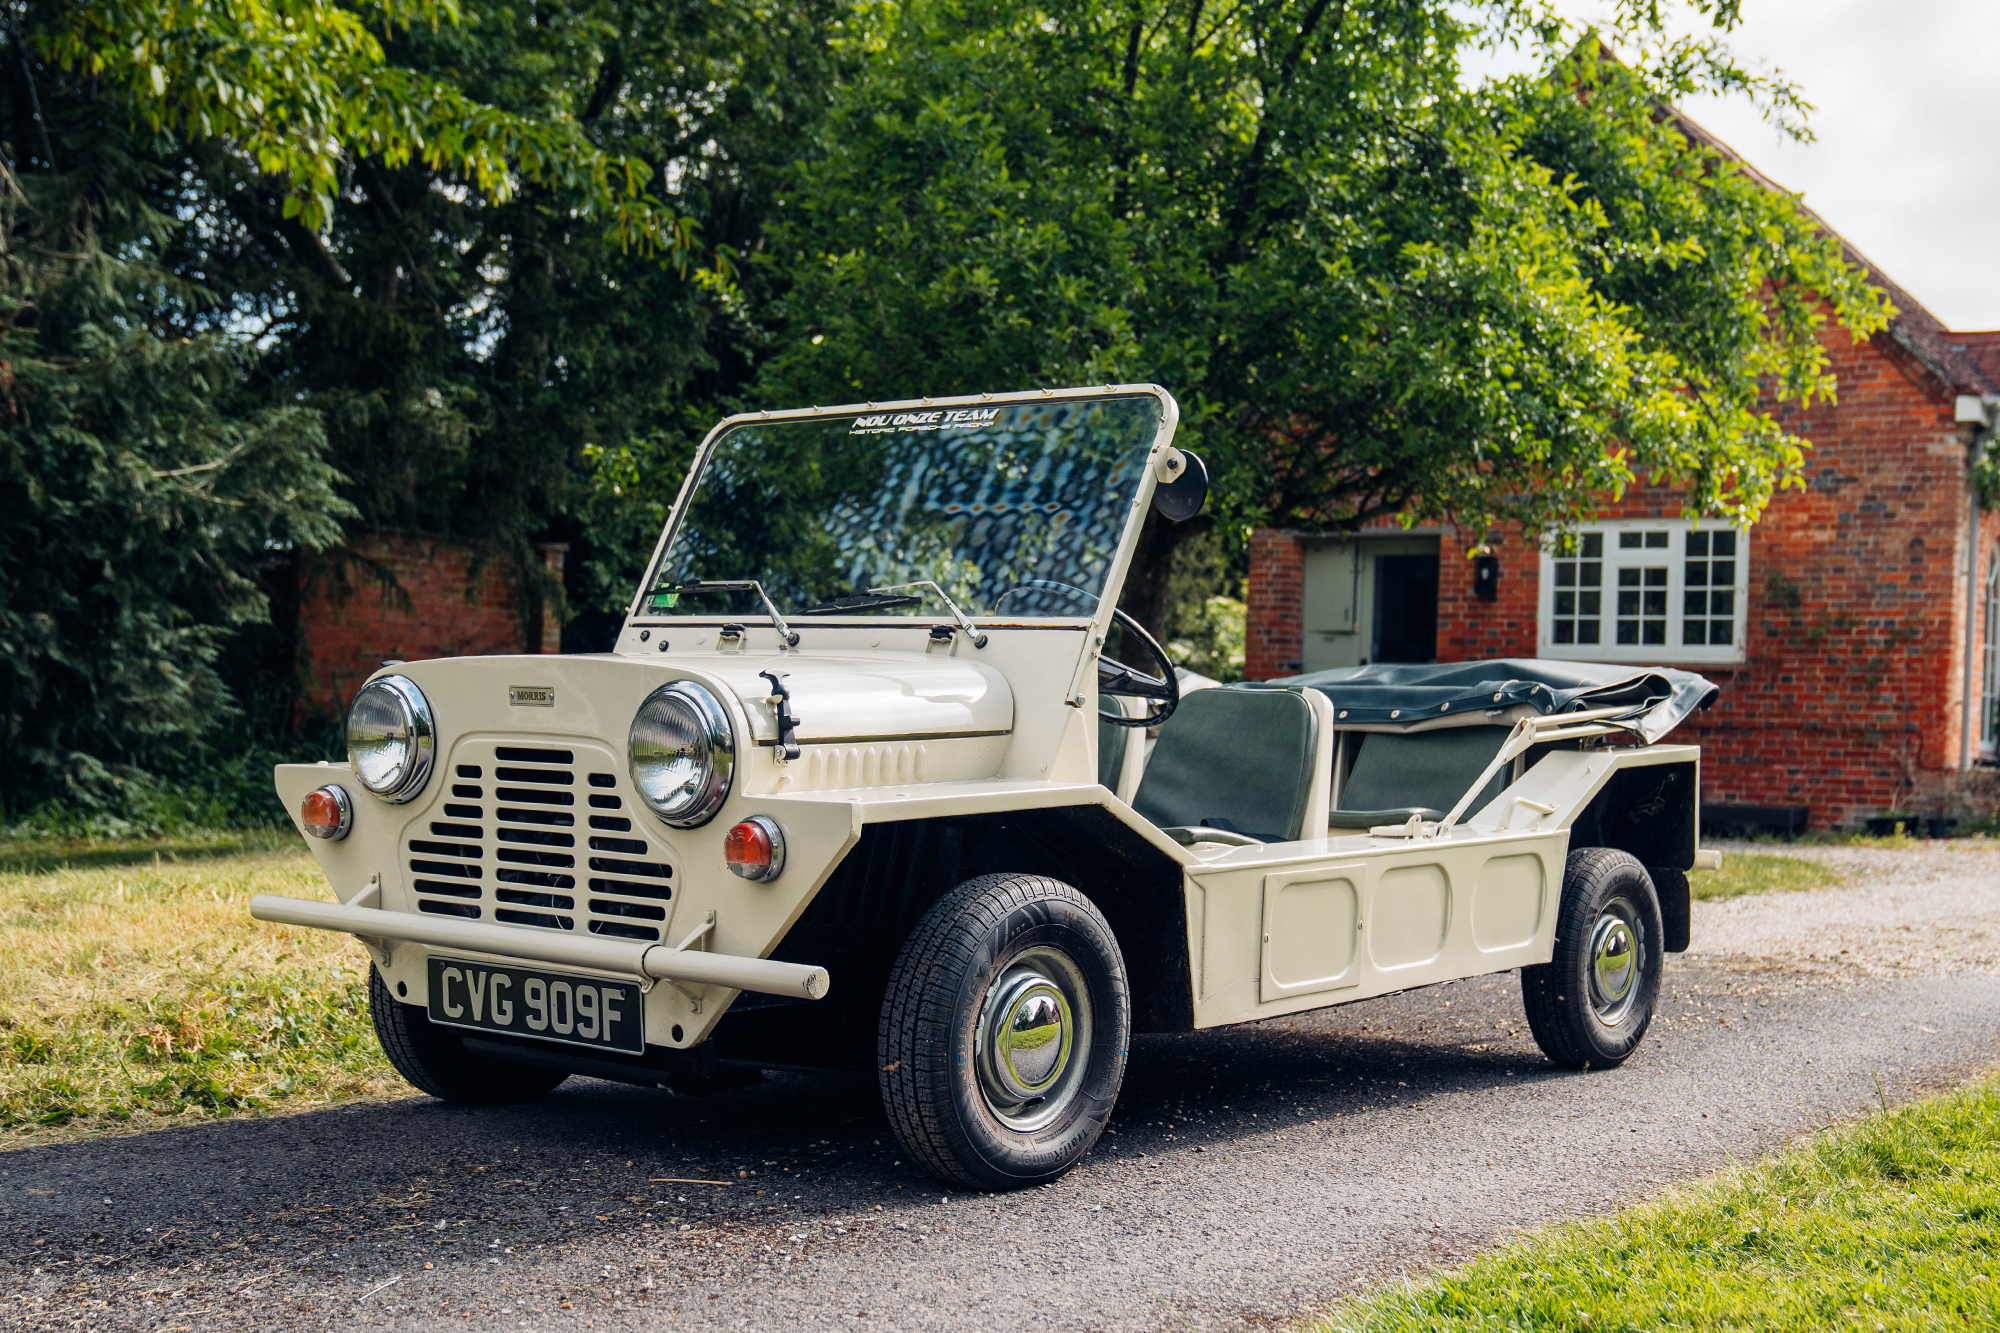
[[636, 957]]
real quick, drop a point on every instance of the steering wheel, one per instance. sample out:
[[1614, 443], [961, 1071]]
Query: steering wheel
[[1113, 676]]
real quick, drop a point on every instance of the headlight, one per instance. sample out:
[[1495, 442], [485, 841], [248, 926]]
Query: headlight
[[391, 738], [682, 753]]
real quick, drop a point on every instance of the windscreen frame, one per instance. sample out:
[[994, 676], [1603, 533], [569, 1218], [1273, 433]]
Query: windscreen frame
[[1140, 505]]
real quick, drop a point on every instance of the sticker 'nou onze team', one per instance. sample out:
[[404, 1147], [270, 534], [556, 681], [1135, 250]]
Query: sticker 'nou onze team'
[[957, 418]]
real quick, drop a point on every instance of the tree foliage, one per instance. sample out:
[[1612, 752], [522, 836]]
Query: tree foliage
[[193, 378], [1374, 291]]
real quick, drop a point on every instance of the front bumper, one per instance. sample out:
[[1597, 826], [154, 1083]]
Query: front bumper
[[632, 957]]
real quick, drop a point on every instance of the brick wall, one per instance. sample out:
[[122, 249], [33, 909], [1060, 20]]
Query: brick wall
[[394, 597], [1849, 700], [1272, 636]]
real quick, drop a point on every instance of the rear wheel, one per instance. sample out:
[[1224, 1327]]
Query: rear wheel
[[434, 1059], [1003, 1035], [1590, 1005]]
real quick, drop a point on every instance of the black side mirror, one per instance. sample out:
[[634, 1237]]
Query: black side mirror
[[1182, 498]]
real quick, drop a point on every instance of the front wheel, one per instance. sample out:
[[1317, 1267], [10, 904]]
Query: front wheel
[[434, 1059], [1591, 1003], [1003, 1035]]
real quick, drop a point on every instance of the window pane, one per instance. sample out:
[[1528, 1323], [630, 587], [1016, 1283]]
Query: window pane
[[1628, 541], [1586, 631], [1591, 574], [1719, 631], [1628, 631], [1628, 578], [1697, 543], [1722, 603], [1590, 604], [1697, 573], [1656, 631], [1565, 573], [1723, 544], [1694, 603], [1656, 602], [1628, 603], [1656, 577], [1722, 573], [1694, 633], [1593, 546], [1565, 603], [1656, 541], [1565, 631]]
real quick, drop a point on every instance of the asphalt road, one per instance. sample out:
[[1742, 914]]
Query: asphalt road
[[1251, 1173]]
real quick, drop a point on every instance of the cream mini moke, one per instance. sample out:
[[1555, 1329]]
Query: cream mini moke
[[860, 788]]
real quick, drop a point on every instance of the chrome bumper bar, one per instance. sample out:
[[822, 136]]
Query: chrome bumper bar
[[636, 957]]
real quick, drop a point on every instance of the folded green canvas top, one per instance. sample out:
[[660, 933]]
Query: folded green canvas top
[[1659, 697]]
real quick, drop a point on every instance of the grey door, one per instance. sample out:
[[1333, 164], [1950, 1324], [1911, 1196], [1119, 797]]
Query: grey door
[[1369, 599]]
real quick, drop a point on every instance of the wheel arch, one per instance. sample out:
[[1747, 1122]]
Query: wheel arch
[[857, 923], [1651, 811]]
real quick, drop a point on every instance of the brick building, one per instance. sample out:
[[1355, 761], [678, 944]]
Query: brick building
[[393, 597], [1854, 629]]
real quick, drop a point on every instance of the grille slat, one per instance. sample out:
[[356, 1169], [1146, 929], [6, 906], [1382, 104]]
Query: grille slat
[[430, 848], [651, 869], [631, 890], [541, 877], [448, 890], [536, 835], [526, 846], [521, 856], [550, 777], [446, 868], [532, 797], [555, 817]]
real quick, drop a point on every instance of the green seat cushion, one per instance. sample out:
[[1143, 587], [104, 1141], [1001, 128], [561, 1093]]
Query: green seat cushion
[[1399, 774], [1234, 759]]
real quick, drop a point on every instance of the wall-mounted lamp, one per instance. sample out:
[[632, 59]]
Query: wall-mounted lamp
[[1486, 577]]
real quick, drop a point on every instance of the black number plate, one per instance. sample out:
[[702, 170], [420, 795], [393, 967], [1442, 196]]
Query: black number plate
[[554, 1006]]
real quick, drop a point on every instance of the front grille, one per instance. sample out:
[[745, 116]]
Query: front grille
[[513, 857]]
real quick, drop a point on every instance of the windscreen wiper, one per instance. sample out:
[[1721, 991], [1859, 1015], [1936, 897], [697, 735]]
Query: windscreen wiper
[[860, 601], [788, 636], [965, 625]]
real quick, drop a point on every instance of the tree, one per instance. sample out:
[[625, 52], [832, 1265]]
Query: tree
[[144, 468], [1373, 290], [477, 359]]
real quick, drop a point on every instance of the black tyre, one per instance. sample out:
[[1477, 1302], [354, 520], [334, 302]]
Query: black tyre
[[1002, 1044], [434, 1059], [1590, 1005]]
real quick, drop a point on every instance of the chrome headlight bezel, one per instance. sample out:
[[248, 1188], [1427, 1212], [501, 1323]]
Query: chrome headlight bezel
[[708, 726], [418, 739]]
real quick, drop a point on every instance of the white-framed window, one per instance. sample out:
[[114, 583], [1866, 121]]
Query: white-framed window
[[1645, 590]]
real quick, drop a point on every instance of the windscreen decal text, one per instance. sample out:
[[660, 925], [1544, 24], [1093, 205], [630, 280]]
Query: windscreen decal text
[[958, 418]]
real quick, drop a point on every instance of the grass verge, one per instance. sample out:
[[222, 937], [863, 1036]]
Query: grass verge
[[137, 989], [1760, 872], [1890, 1223]]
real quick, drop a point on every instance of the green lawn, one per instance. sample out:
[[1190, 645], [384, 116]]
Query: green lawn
[[1760, 872], [1891, 1223], [138, 990]]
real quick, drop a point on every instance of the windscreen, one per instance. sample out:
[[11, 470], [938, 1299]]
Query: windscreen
[[1011, 510]]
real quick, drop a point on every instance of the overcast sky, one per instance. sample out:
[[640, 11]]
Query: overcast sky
[[1903, 163]]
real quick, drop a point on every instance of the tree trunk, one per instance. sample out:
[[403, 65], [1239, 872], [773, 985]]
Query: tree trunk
[[1146, 582]]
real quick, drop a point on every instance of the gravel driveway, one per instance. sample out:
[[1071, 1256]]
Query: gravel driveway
[[1250, 1172]]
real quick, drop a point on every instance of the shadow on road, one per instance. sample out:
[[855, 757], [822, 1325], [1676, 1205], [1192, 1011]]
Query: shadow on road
[[416, 1178]]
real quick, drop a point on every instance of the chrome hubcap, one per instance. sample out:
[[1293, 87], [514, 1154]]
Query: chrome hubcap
[[1033, 1028], [1615, 961]]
